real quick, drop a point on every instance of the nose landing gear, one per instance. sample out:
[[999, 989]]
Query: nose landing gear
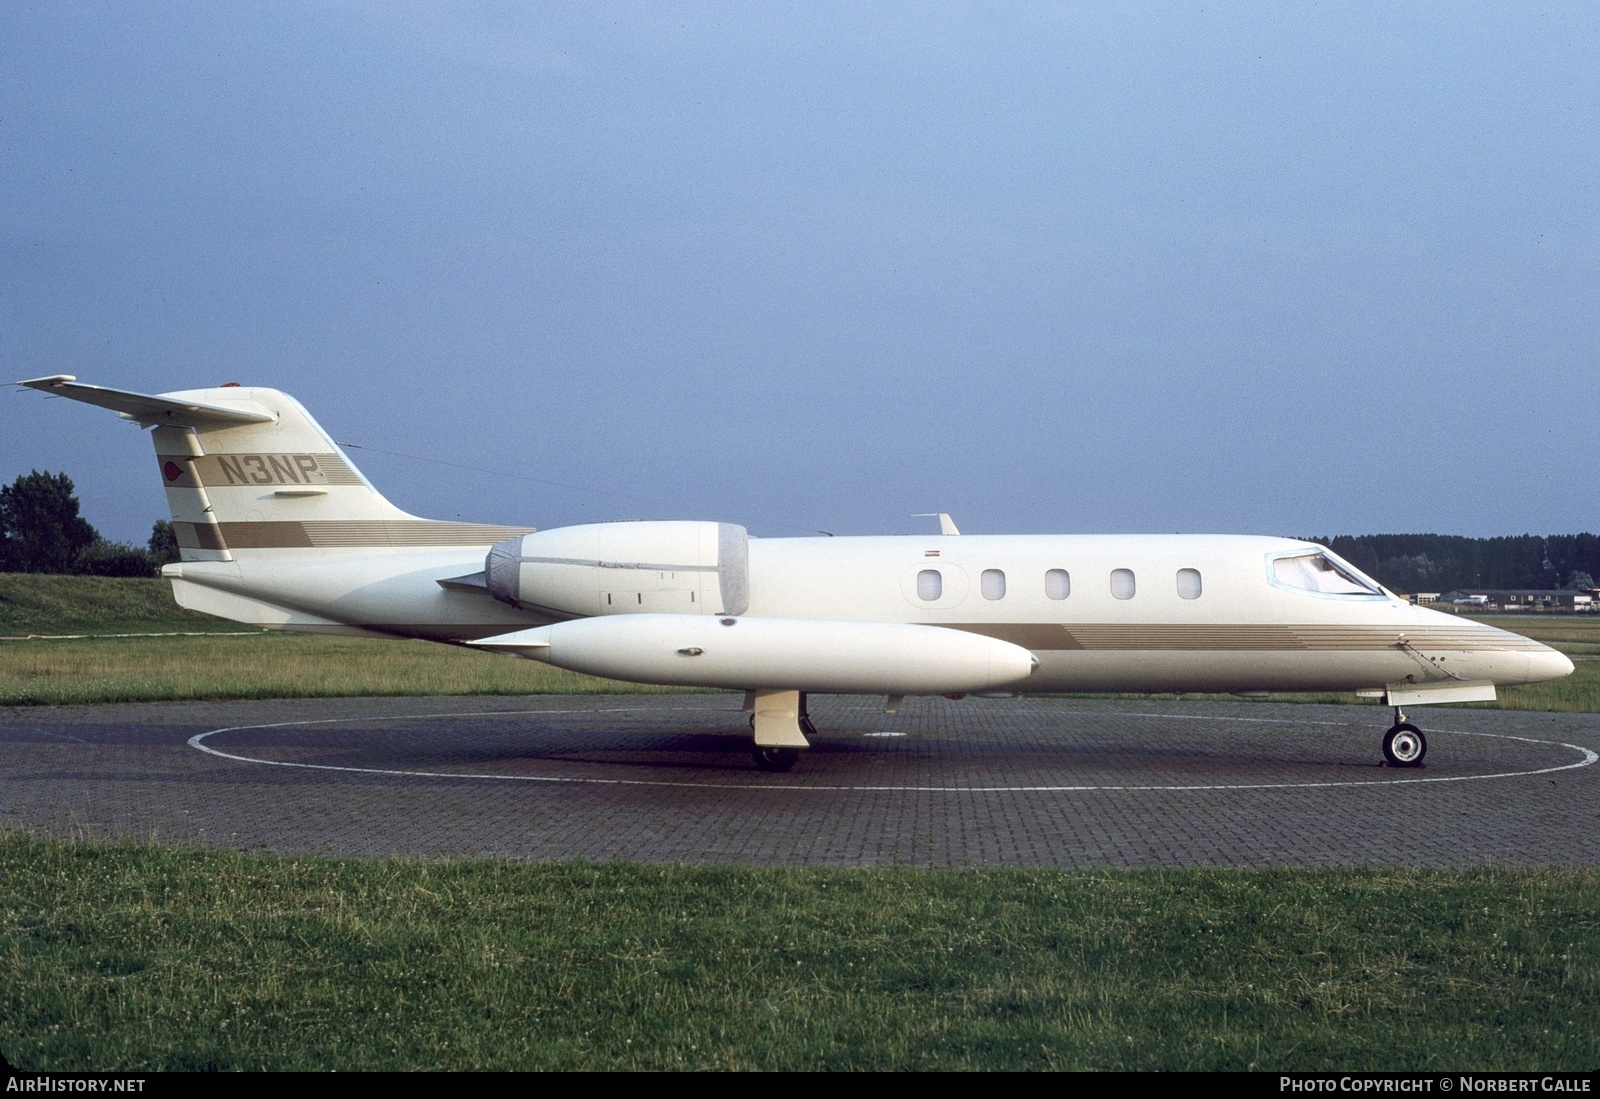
[[1404, 745]]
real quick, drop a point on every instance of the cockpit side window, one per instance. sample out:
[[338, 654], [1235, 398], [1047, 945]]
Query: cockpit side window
[[1321, 573]]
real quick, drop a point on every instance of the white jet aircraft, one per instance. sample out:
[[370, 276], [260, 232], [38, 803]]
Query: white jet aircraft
[[277, 528]]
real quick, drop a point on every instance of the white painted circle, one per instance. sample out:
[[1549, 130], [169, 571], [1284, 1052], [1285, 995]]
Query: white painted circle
[[794, 784]]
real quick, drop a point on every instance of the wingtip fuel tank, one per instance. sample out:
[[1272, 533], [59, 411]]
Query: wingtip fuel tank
[[891, 658]]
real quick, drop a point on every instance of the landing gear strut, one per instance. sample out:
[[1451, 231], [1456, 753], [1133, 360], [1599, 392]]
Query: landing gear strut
[[781, 725], [806, 727], [1404, 745]]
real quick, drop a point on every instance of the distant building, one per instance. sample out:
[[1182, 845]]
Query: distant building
[[1520, 599]]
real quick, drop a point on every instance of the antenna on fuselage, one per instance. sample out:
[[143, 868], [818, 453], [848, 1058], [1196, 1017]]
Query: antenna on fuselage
[[947, 525]]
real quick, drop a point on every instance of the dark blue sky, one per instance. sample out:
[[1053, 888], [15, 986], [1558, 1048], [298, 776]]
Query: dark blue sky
[[1285, 269]]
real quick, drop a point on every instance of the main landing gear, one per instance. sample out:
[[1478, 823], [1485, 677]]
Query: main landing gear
[[781, 725], [776, 759], [1404, 745]]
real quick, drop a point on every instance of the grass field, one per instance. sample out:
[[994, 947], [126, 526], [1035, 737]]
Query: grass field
[[31, 603], [270, 665], [122, 957], [164, 660]]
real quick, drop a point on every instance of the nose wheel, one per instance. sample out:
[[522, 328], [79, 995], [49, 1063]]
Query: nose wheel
[[1404, 745]]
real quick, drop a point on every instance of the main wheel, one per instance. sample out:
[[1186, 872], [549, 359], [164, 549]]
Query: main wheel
[[1404, 746], [776, 759]]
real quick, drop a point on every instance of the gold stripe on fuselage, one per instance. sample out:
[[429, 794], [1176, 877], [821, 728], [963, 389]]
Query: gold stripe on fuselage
[[1243, 638]]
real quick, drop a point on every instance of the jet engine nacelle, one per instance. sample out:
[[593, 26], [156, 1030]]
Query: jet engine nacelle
[[624, 568]]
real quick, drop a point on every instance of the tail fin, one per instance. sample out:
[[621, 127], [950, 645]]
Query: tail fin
[[249, 469]]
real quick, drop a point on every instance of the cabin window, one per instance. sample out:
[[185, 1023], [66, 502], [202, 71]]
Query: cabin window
[[993, 584], [1057, 584], [930, 585], [1319, 572], [1189, 583], [1122, 583]]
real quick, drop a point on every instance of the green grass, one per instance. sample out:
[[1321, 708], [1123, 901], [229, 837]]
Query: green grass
[[31, 603], [1576, 635], [1552, 629], [52, 669], [271, 665], [1578, 693], [123, 957]]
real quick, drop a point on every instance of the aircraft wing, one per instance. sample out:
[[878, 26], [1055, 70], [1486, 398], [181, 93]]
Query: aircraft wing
[[149, 409]]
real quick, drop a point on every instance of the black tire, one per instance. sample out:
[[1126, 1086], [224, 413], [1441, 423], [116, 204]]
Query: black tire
[[1404, 746], [775, 759]]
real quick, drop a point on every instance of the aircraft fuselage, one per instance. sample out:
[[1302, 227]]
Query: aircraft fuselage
[[1234, 628]]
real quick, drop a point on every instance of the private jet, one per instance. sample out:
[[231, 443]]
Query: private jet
[[278, 528]]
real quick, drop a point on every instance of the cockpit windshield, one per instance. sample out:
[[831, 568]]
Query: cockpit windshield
[[1318, 572]]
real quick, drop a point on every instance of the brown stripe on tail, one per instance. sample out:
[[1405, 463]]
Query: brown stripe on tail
[[251, 470], [341, 534]]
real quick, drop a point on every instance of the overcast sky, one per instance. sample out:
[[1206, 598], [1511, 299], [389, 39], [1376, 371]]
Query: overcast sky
[[1277, 269]]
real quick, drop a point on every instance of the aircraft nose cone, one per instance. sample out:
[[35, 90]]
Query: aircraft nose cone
[[1548, 665]]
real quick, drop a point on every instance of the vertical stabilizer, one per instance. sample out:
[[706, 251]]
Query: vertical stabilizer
[[282, 484], [248, 469]]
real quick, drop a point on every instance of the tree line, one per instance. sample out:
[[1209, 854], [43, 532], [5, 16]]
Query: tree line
[[1445, 562], [41, 531]]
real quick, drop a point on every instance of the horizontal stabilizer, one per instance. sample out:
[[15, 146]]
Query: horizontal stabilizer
[[149, 409]]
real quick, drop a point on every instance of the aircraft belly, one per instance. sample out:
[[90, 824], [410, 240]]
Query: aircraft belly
[[389, 595], [1111, 670]]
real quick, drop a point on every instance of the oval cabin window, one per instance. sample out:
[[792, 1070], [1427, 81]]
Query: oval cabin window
[[1122, 583], [1057, 584], [1189, 583], [930, 585], [993, 584]]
